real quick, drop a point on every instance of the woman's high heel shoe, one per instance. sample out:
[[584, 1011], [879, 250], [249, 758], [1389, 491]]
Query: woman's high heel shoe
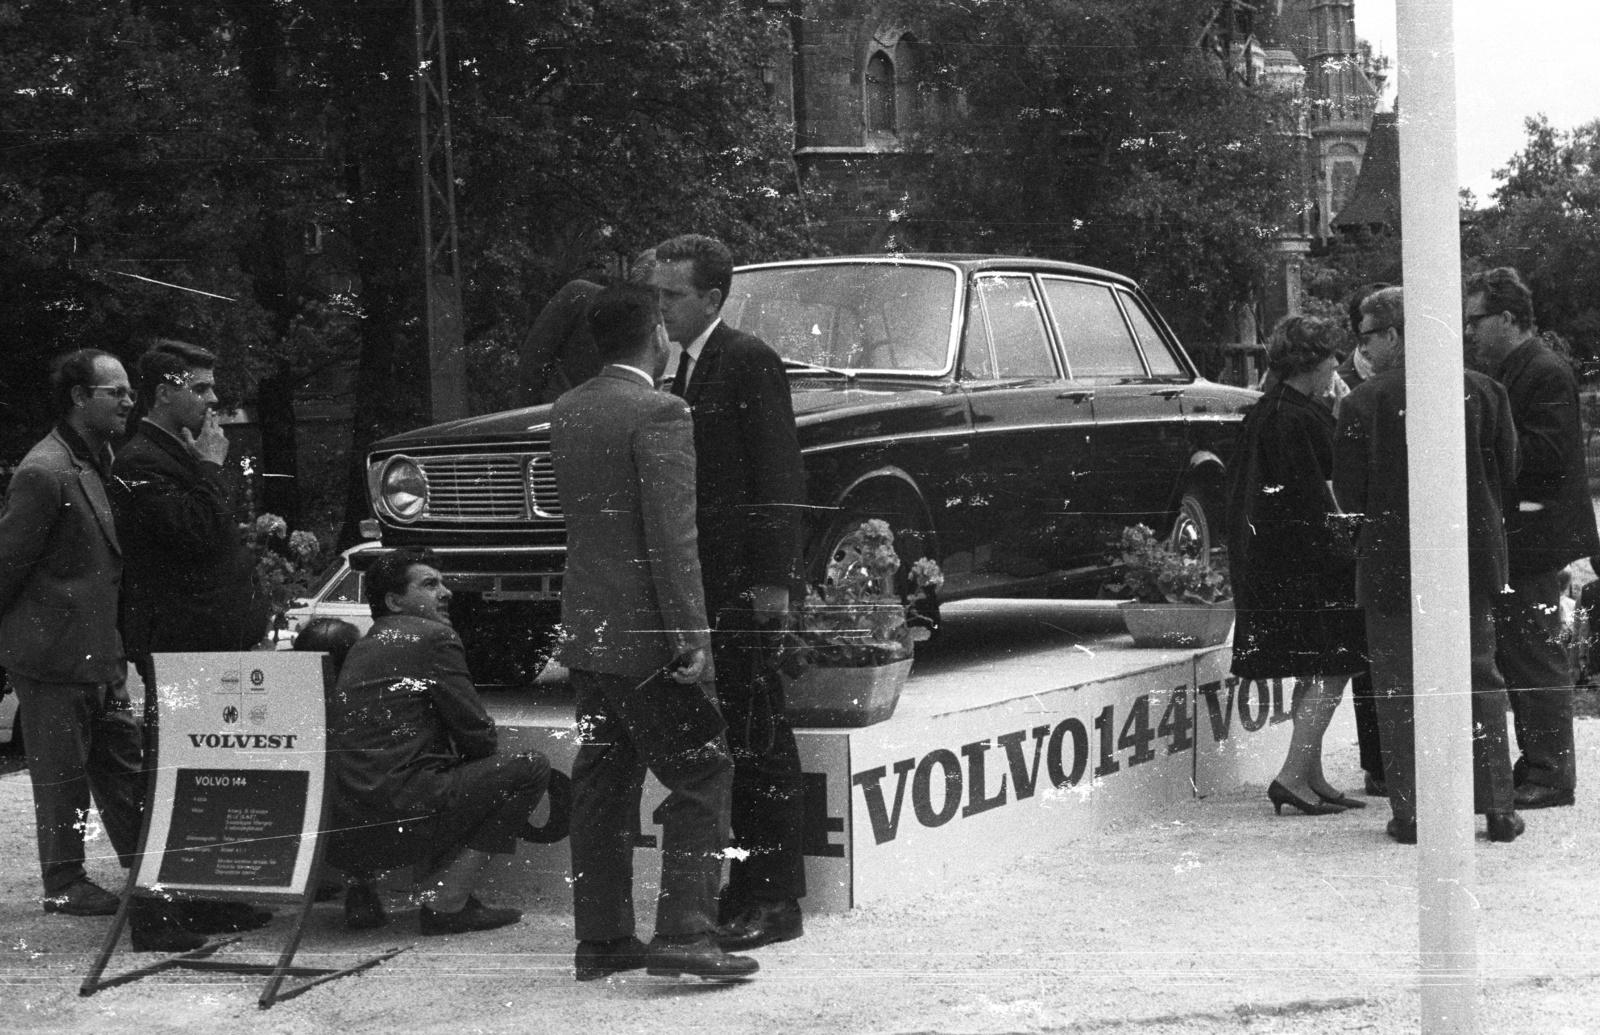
[[1342, 800], [1280, 796]]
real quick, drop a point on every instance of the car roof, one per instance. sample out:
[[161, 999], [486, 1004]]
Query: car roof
[[971, 262]]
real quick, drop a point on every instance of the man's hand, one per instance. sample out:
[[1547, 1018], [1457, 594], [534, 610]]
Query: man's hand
[[689, 666], [769, 602], [211, 446]]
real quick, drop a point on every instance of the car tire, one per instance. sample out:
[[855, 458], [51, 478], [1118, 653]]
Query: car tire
[[1195, 530]]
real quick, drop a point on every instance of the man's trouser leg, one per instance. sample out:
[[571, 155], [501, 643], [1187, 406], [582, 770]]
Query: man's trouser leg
[[490, 799], [79, 741], [1534, 664], [1389, 644], [1369, 743], [607, 778], [1389, 641], [768, 816]]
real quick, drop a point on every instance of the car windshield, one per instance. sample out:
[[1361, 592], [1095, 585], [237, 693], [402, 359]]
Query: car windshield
[[850, 316]]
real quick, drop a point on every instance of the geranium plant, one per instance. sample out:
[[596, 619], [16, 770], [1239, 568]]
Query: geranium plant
[[855, 617], [1153, 572], [287, 562]]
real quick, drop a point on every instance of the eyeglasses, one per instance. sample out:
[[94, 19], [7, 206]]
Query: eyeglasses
[[1472, 319], [117, 392]]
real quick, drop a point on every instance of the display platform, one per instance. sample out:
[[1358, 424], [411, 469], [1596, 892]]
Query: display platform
[[984, 759]]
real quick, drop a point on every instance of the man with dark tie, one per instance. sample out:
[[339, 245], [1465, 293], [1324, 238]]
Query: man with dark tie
[[750, 490]]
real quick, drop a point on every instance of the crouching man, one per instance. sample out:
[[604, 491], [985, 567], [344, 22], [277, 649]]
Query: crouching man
[[421, 773]]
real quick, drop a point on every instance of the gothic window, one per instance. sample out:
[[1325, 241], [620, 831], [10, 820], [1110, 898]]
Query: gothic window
[[880, 94]]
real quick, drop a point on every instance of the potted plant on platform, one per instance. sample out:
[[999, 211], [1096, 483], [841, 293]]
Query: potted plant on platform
[[1178, 601], [856, 635]]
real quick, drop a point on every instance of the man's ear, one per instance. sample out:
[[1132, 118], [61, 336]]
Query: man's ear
[[714, 296], [391, 601]]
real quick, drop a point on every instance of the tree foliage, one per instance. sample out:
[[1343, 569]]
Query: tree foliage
[[1546, 223], [1098, 130]]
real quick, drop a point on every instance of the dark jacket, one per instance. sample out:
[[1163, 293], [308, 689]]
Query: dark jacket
[[404, 713], [632, 598], [1285, 547], [190, 582], [60, 567], [1370, 479], [559, 352], [749, 480], [1544, 405]]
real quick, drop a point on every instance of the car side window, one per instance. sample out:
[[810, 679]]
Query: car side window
[[346, 591], [1093, 334], [1016, 331], [1157, 353]]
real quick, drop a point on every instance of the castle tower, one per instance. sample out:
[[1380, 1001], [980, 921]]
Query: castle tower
[[1342, 101]]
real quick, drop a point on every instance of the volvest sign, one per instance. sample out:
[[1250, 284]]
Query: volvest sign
[[237, 803]]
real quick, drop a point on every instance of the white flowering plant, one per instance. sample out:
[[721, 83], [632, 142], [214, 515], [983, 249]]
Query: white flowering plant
[[855, 617], [287, 563]]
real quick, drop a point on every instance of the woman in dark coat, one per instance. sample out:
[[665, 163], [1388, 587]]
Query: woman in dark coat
[[1292, 570]]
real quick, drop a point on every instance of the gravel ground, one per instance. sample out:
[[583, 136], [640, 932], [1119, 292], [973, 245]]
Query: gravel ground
[[1209, 916]]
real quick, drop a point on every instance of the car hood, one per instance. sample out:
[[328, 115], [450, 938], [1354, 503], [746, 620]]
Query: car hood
[[812, 400]]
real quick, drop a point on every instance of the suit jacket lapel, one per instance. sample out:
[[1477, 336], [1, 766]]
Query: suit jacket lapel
[[94, 490]]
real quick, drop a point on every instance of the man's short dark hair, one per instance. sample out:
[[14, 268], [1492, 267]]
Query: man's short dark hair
[[1387, 308], [168, 361], [1353, 303], [622, 319], [713, 263], [1503, 292], [391, 573], [73, 370]]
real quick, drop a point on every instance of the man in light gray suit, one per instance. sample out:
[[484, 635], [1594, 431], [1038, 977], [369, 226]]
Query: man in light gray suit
[[637, 642]]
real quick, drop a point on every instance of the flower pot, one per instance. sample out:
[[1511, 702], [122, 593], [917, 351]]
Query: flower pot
[[1178, 625], [827, 695]]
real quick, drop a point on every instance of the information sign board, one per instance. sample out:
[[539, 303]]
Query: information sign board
[[238, 794]]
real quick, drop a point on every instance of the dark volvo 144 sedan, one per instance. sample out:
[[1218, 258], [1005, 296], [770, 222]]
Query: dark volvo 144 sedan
[[1008, 417]]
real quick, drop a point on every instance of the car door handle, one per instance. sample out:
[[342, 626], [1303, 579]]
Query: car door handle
[[960, 449], [1077, 395], [1168, 393]]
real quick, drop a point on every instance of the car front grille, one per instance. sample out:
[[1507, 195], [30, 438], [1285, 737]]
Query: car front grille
[[494, 487]]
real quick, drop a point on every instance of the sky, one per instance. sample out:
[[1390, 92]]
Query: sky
[[1513, 60]]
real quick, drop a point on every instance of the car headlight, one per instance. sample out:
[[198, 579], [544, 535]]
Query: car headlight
[[403, 489]]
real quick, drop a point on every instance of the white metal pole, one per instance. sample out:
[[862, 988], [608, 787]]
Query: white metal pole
[[1442, 672]]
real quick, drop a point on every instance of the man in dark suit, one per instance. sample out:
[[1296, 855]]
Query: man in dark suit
[[1551, 525], [189, 584], [751, 489], [1353, 370], [60, 579], [1371, 478], [421, 773], [558, 352], [637, 643]]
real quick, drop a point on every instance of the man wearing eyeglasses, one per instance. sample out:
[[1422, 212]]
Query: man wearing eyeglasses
[[1551, 525], [60, 577]]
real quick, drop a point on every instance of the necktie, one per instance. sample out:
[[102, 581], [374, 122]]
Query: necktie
[[680, 380]]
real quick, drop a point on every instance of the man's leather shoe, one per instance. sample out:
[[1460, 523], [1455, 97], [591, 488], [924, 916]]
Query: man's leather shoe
[[85, 898], [1538, 796], [762, 924], [1404, 831], [1505, 826], [363, 909], [598, 959], [153, 926], [1375, 787], [474, 916], [210, 916], [700, 957]]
